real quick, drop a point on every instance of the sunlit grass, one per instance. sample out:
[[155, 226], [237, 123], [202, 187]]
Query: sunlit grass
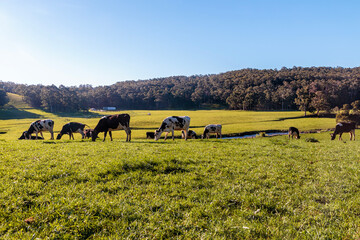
[[227, 189]]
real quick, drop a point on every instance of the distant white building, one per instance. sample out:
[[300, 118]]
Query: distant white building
[[109, 108]]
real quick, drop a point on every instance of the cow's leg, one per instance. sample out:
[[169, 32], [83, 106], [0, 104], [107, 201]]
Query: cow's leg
[[186, 134], [110, 134], [166, 135], [104, 136], [128, 134], [173, 137], [354, 134], [69, 135], [220, 135], [340, 138], [52, 135], [82, 134]]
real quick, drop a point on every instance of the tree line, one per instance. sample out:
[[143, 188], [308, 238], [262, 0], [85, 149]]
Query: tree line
[[311, 89]]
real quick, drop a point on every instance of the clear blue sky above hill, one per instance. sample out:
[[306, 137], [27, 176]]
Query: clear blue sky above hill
[[73, 42]]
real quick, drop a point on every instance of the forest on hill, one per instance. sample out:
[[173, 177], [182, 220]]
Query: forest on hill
[[308, 89]]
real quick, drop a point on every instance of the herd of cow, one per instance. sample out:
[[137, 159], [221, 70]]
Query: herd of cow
[[117, 122], [170, 124]]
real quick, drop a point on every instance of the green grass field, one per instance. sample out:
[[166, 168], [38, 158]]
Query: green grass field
[[261, 188]]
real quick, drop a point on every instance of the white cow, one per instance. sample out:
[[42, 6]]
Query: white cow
[[212, 128], [39, 126], [170, 124]]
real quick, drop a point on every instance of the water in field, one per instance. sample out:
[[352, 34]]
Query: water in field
[[254, 135]]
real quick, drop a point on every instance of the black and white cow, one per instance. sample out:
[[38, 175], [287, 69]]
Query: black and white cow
[[112, 123], [150, 135], [294, 132], [212, 128], [191, 134], [342, 127], [170, 124], [23, 136], [72, 127], [40, 126]]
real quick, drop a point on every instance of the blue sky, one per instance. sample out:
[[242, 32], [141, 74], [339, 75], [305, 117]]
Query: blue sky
[[73, 42]]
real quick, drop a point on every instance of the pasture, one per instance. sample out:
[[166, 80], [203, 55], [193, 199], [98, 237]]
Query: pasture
[[16, 120], [261, 188]]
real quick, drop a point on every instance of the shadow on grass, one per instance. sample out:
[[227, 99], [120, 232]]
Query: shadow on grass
[[309, 116], [81, 114], [15, 113]]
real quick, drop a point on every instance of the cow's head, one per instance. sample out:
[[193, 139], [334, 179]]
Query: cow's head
[[27, 135], [332, 136], [59, 136], [94, 135], [206, 131], [157, 134], [23, 135]]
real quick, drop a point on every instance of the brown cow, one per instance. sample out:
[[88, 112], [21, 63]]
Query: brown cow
[[294, 132], [342, 127]]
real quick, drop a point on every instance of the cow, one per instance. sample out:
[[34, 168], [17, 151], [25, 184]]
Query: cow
[[39, 126], [191, 134], [32, 137], [170, 124], [212, 128], [342, 127], [71, 128], [88, 133], [150, 135], [294, 132], [112, 123]]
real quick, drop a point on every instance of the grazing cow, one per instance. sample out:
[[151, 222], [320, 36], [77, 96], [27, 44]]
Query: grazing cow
[[71, 128], [170, 124], [150, 135], [88, 133], [112, 123], [212, 128], [294, 132], [191, 134], [342, 127], [23, 136], [39, 126]]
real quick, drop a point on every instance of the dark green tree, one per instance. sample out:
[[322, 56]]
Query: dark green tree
[[3, 98]]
